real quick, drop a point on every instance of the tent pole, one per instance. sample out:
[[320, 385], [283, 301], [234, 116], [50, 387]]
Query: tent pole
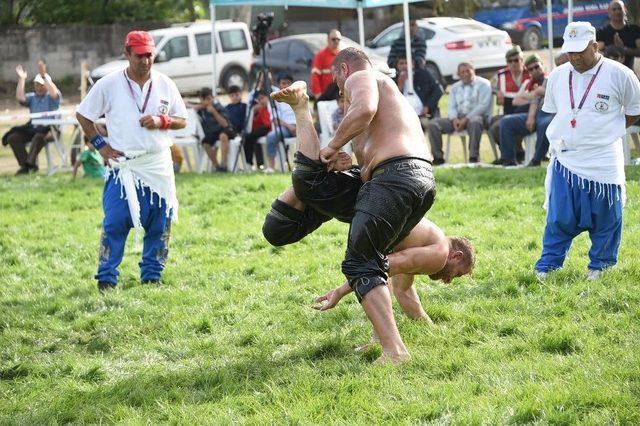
[[550, 34], [214, 72], [570, 12], [407, 45], [361, 26]]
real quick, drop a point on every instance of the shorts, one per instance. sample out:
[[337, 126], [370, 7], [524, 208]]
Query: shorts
[[212, 138], [382, 211]]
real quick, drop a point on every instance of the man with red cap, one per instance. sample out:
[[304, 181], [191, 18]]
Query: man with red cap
[[140, 106]]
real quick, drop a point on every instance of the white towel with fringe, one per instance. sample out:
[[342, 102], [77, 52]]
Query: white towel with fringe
[[153, 170]]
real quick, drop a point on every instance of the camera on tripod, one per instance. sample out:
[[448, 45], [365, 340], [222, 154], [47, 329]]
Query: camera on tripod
[[261, 29]]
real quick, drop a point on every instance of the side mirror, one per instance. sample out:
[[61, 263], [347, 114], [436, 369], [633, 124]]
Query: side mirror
[[162, 56]]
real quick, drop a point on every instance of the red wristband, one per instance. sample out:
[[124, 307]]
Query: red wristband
[[165, 121]]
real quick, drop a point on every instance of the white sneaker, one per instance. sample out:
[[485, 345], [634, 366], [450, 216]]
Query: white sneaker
[[268, 171], [593, 274], [541, 275]]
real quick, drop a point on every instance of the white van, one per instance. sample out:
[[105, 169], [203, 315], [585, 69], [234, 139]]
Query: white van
[[184, 54]]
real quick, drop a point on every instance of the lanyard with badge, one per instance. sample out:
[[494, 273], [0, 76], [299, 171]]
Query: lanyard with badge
[[146, 100], [575, 111]]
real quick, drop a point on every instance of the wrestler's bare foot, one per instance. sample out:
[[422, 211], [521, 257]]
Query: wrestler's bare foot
[[294, 95], [343, 162], [397, 359]]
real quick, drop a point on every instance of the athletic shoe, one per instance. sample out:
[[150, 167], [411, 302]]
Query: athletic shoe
[[534, 163], [473, 160], [497, 162], [541, 275], [268, 171], [152, 282], [593, 274], [510, 163], [438, 161]]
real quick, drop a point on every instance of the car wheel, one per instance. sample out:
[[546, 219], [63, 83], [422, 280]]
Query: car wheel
[[234, 77], [532, 39], [435, 72]]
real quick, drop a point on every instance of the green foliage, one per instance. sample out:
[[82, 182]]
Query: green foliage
[[35, 12], [229, 337]]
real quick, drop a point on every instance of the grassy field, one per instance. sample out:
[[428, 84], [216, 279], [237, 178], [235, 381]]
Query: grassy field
[[230, 336]]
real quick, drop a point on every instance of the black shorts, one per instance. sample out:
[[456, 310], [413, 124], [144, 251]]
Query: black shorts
[[212, 138], [28, 131], [332, 194], [382, 211]]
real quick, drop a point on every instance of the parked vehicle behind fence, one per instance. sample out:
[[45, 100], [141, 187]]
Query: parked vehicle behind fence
[[526, 20], [184, 54], [294, 55], [451, 41]]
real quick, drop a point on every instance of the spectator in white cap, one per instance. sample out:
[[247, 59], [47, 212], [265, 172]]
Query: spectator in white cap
[[45, 97], [594, 99]]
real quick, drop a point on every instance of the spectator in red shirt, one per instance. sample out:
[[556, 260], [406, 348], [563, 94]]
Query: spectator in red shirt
[[321, 76], [260, 126]]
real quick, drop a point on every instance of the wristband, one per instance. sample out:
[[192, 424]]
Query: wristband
[[165, 121], [98, 142]]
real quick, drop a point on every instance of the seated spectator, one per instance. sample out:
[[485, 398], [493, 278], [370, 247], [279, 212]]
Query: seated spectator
[[285, 125], [427, 91], [507, 84], [515, 126], [236, 110], [469, 109], [91, 162], [45, 97], [260, 126], [418, 47], [216, 127]]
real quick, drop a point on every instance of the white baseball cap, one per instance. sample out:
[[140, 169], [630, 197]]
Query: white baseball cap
[[577, 36], [38, 78]]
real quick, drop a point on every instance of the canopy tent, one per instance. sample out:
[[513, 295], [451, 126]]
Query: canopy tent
[[359, 5]]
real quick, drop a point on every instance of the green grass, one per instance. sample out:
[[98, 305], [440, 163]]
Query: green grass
[[230, 337]]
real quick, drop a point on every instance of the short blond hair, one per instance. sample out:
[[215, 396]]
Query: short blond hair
[[468, 250]]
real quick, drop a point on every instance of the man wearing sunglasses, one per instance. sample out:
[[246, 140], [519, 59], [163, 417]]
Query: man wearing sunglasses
[[506, 84], [321, 76], [513, 127]]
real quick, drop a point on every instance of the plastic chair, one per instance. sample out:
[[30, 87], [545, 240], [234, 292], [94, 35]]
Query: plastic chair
[[190, 137]]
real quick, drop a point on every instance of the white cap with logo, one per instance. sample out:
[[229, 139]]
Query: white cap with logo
[[577, 36]]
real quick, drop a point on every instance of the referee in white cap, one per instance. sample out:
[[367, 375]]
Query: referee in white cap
[[594, 99]]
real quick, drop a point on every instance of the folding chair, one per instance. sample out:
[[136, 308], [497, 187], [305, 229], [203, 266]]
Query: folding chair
[[325, 113]]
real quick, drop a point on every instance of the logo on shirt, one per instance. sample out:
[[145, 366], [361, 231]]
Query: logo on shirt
[[602, 106], [164, 107], [601, 96]]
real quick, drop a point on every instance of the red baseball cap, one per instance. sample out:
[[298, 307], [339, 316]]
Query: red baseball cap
[[140, 42]]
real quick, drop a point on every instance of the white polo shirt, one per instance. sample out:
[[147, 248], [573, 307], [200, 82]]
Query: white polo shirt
[[112, 97], [592, 149]]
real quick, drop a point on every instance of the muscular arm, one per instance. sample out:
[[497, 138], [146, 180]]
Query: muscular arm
[[362, 91], [424, 260], [407, 296], [631, 119]]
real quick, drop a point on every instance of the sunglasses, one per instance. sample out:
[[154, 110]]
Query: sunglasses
[[534, 67], [336, 39], [513, 60]]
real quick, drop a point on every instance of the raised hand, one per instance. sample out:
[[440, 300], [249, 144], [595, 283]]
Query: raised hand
[[22, 74]]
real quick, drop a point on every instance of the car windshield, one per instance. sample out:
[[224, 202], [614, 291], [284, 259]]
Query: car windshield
[[492, 4]]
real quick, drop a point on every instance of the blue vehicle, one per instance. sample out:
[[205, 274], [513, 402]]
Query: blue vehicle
[[526, 20]]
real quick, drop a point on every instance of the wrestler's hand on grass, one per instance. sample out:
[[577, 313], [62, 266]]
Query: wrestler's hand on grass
[[332, 297], [109, 153], [150, 122], [328, 154]]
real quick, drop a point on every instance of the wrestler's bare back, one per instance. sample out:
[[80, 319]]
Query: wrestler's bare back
[[395, 128]]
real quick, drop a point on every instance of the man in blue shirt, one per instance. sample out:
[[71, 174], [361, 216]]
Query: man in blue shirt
[[236, 109], [45, 97]]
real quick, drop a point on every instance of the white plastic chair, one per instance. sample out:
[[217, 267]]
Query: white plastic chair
[[190, 137], [325, 117], [530, 147]]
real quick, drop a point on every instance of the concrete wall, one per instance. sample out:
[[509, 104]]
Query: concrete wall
[[62, 47]]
